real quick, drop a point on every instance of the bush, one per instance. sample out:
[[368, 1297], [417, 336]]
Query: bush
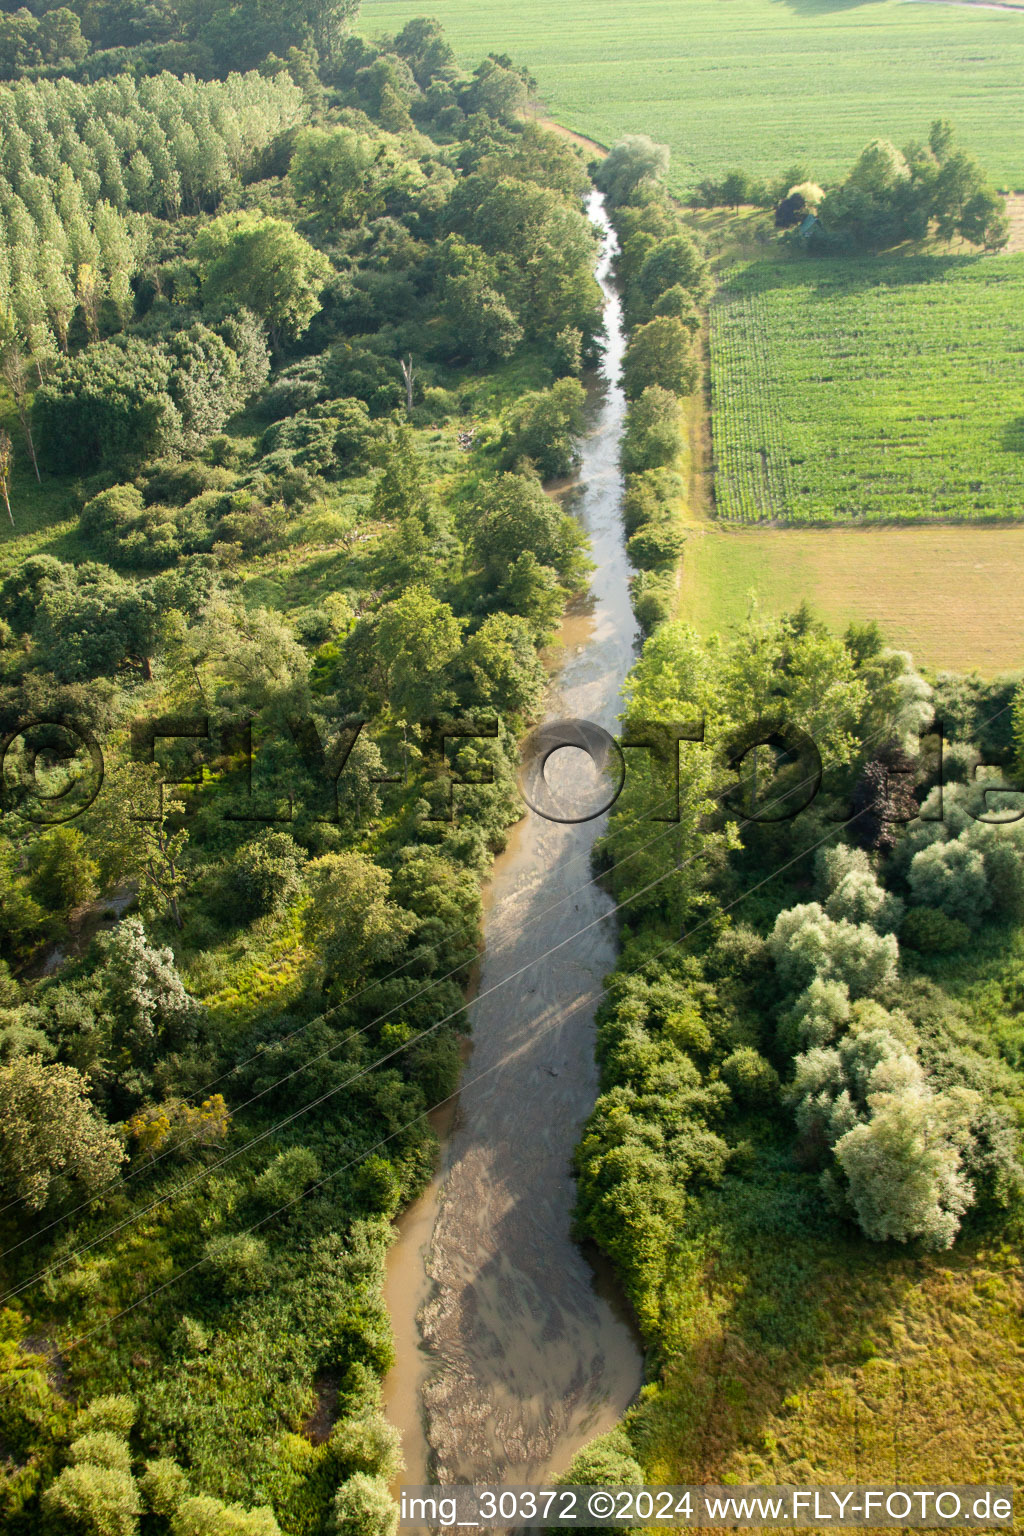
[[210, 1517], [951, 876], [264, 875], [543, 427], [806, 943], [164, 1486], [101, 1448], [333, 440], [238, 1261], [126, 532], [94, 1501], [363, 1506], [753, 1080], [651, 596], [369, 1444], [858, 898], [659, 544], [609, 1461], [653, 435], [932, 932], [287, 1177], [903, 1168], [110, 405]]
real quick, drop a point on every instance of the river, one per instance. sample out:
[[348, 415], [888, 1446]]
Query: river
[[512, 1348]]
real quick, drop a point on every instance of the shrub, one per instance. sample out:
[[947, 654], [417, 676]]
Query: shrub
[[932, 932], [287, 1177], [163, 1485], [858, 898], [114, 1413], [651, 596], [806, 942], [204, 1516], [903, 1170], [655, 545], [363, 1506], [238, 1261], [110, 405], [101, 1448], [264, 875], [127, 532], [333, 440], [753, 1080], [610, 1460], [543, 427], [951, 876], [94, 1501], [369, 1444]]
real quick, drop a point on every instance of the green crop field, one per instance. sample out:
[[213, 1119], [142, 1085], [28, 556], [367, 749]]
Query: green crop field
[[757, 83], [885, 391]]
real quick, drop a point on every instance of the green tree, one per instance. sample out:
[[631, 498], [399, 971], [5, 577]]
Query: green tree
[[205, 383], [544, 427], [351, 921], [63, 872], [514, 515], [671, 263], [633, 163], [50, 1133], [133, 819], [654, 435], [484, 329], [501, 661], [426, 50], [265, 265], [110, 405], [265, 875], [498, 88], [660, 353], [363, 1506], [346, 176], [91, 1500], [415, 639], [145, 1005]]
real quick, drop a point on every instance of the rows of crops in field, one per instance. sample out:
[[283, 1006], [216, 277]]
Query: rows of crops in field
[[883, 391], [753, 477], [756, 83]]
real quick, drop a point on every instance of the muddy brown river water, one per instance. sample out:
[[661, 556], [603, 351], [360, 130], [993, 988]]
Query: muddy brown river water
[[512, 1348]]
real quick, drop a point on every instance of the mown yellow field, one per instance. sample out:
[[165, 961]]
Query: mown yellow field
[[952, 596]]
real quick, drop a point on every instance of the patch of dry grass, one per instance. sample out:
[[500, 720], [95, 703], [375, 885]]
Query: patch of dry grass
[[954, 596], [898, 1369]]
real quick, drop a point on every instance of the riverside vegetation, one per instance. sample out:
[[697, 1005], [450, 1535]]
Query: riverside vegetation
[[805, 1162], [287, 352]]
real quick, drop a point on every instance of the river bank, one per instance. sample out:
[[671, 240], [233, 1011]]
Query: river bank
[[523, 1350]]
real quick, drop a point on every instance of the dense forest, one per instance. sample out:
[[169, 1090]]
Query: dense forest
[[292, 330]]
